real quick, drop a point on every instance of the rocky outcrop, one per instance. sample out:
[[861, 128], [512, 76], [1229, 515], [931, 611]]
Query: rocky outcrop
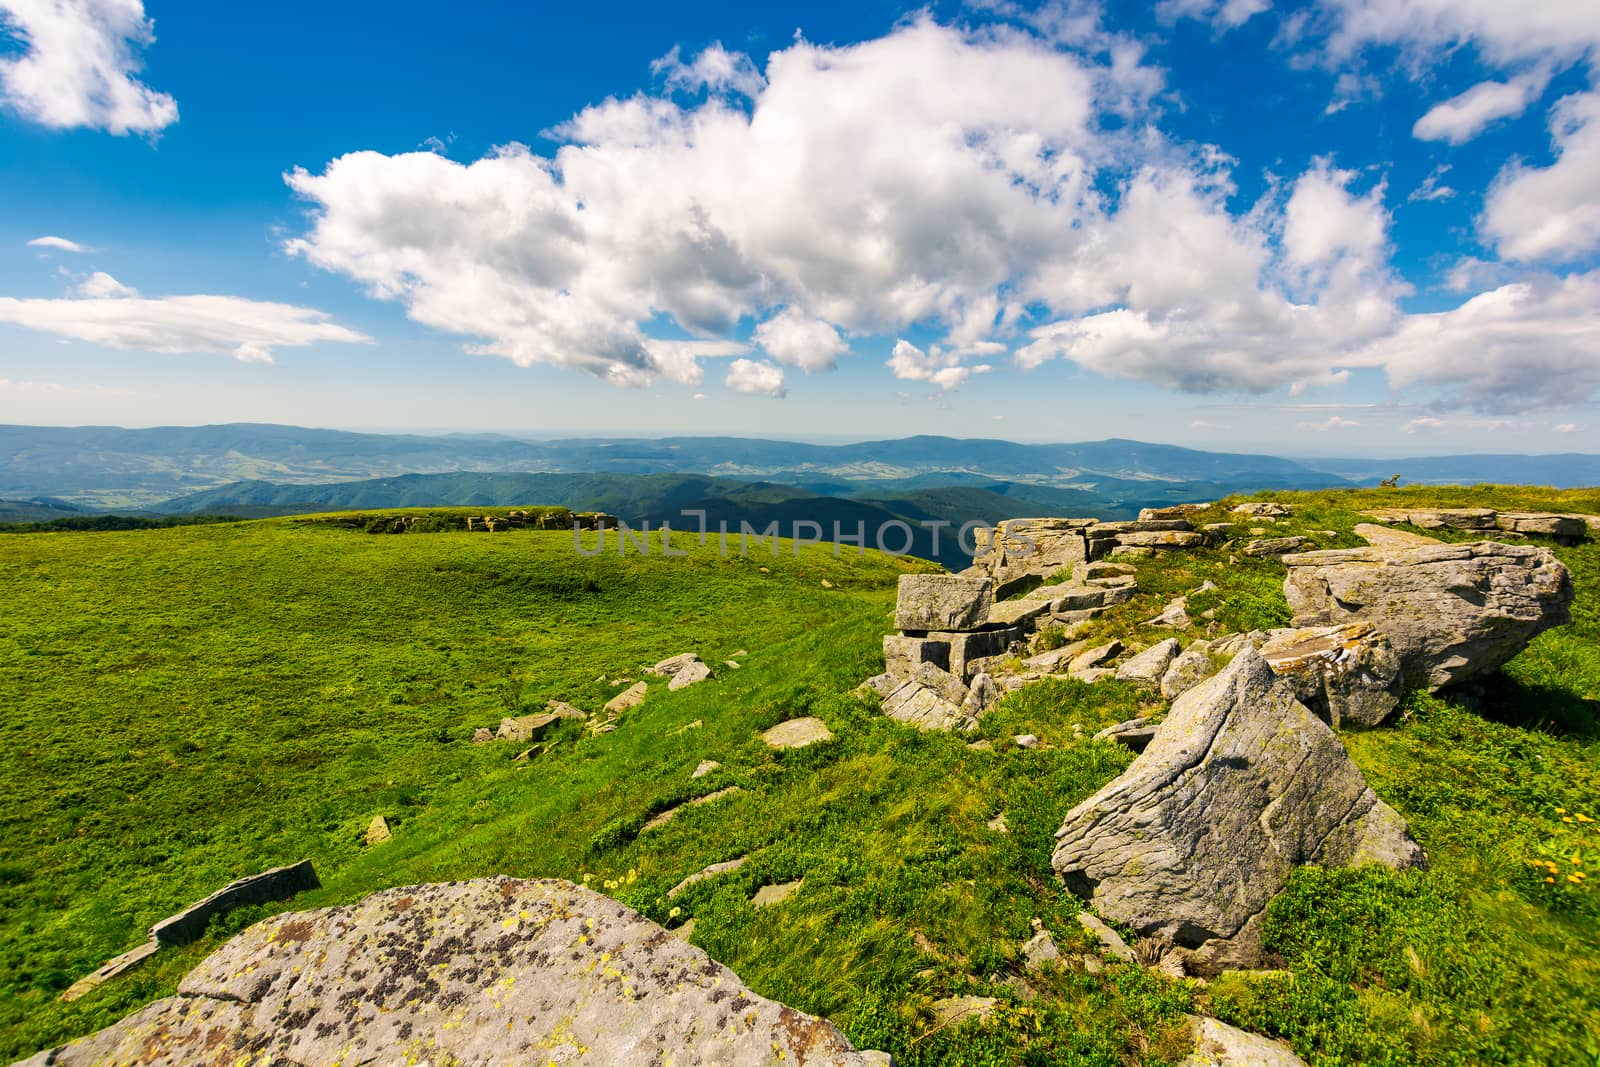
[[1148, 666], [1347, 675], [1275, 546], [1266, 509], [1452, 612], [1543, 523], [942, 602], [280, 883], [484, 972], [1240, 785], [1021, 549]]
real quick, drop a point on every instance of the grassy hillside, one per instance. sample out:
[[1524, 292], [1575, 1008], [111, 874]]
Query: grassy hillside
[[187, 705]]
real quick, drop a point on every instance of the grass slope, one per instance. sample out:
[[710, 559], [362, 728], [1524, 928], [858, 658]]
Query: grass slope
[[184, 706]]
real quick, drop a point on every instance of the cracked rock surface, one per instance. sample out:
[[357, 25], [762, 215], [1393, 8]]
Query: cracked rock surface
[[1452, 612], [1240, 785], [490, 971]]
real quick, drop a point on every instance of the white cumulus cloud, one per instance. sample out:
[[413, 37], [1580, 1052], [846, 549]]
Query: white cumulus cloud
[[109, 313], [1506, 33], [795, 338], [1552, 212], [755, 376], [943, 368], [904, 180], [1461, 118], [1524, 345], [79, 65]]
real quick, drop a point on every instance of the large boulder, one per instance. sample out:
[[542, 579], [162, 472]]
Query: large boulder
[[942, 602], [1240, 785], [1452, 612], [1348, 675], [491, 971]]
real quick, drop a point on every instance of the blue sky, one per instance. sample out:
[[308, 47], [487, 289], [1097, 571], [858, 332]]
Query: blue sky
[[1345, 227]]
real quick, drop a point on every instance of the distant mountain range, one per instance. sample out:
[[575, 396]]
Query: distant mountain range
[[258, 469], [112, 467]]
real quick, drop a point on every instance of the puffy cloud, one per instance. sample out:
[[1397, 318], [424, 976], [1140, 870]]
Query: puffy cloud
[[1552, 212], [1505, 33], [110, 314], [714, 69], [1206, 304], [951, 183], [1333, 422], [755, 376], [942, 368], [1323, 222], [1461, 118], [79, 65], [795, 338], [1521, 346], [60, 244], [101, 284], [898, 181]]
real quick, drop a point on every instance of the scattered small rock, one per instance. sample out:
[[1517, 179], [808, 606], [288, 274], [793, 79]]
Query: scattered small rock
[[377, 831], [628, 698], [1110, 941], [1267, 509], [1040, 950], [1216, 1044], [1147, 667], [798, 733], [1026, 741], [768, 895], [1096, 657], [726, 867], [952, 1011], [482, 736], [1175, 615], [705, 768], [1134, 733]]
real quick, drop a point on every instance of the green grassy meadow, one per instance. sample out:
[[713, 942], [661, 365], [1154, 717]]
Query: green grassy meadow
[[185, 706]]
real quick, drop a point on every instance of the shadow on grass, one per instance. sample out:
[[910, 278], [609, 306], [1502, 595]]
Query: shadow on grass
[[1545, 708]]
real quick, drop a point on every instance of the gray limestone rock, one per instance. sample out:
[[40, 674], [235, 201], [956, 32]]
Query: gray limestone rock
[[1240, 786], [942, 602], [1148, 666], [631, 697], [1185, 672], [474, 973], [1348, 675], [1096, 657], [1452, 612], [798, 733], [1275, 546]]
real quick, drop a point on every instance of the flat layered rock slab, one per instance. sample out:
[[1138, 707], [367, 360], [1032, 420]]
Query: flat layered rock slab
[[798, 733], [479, 973]]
